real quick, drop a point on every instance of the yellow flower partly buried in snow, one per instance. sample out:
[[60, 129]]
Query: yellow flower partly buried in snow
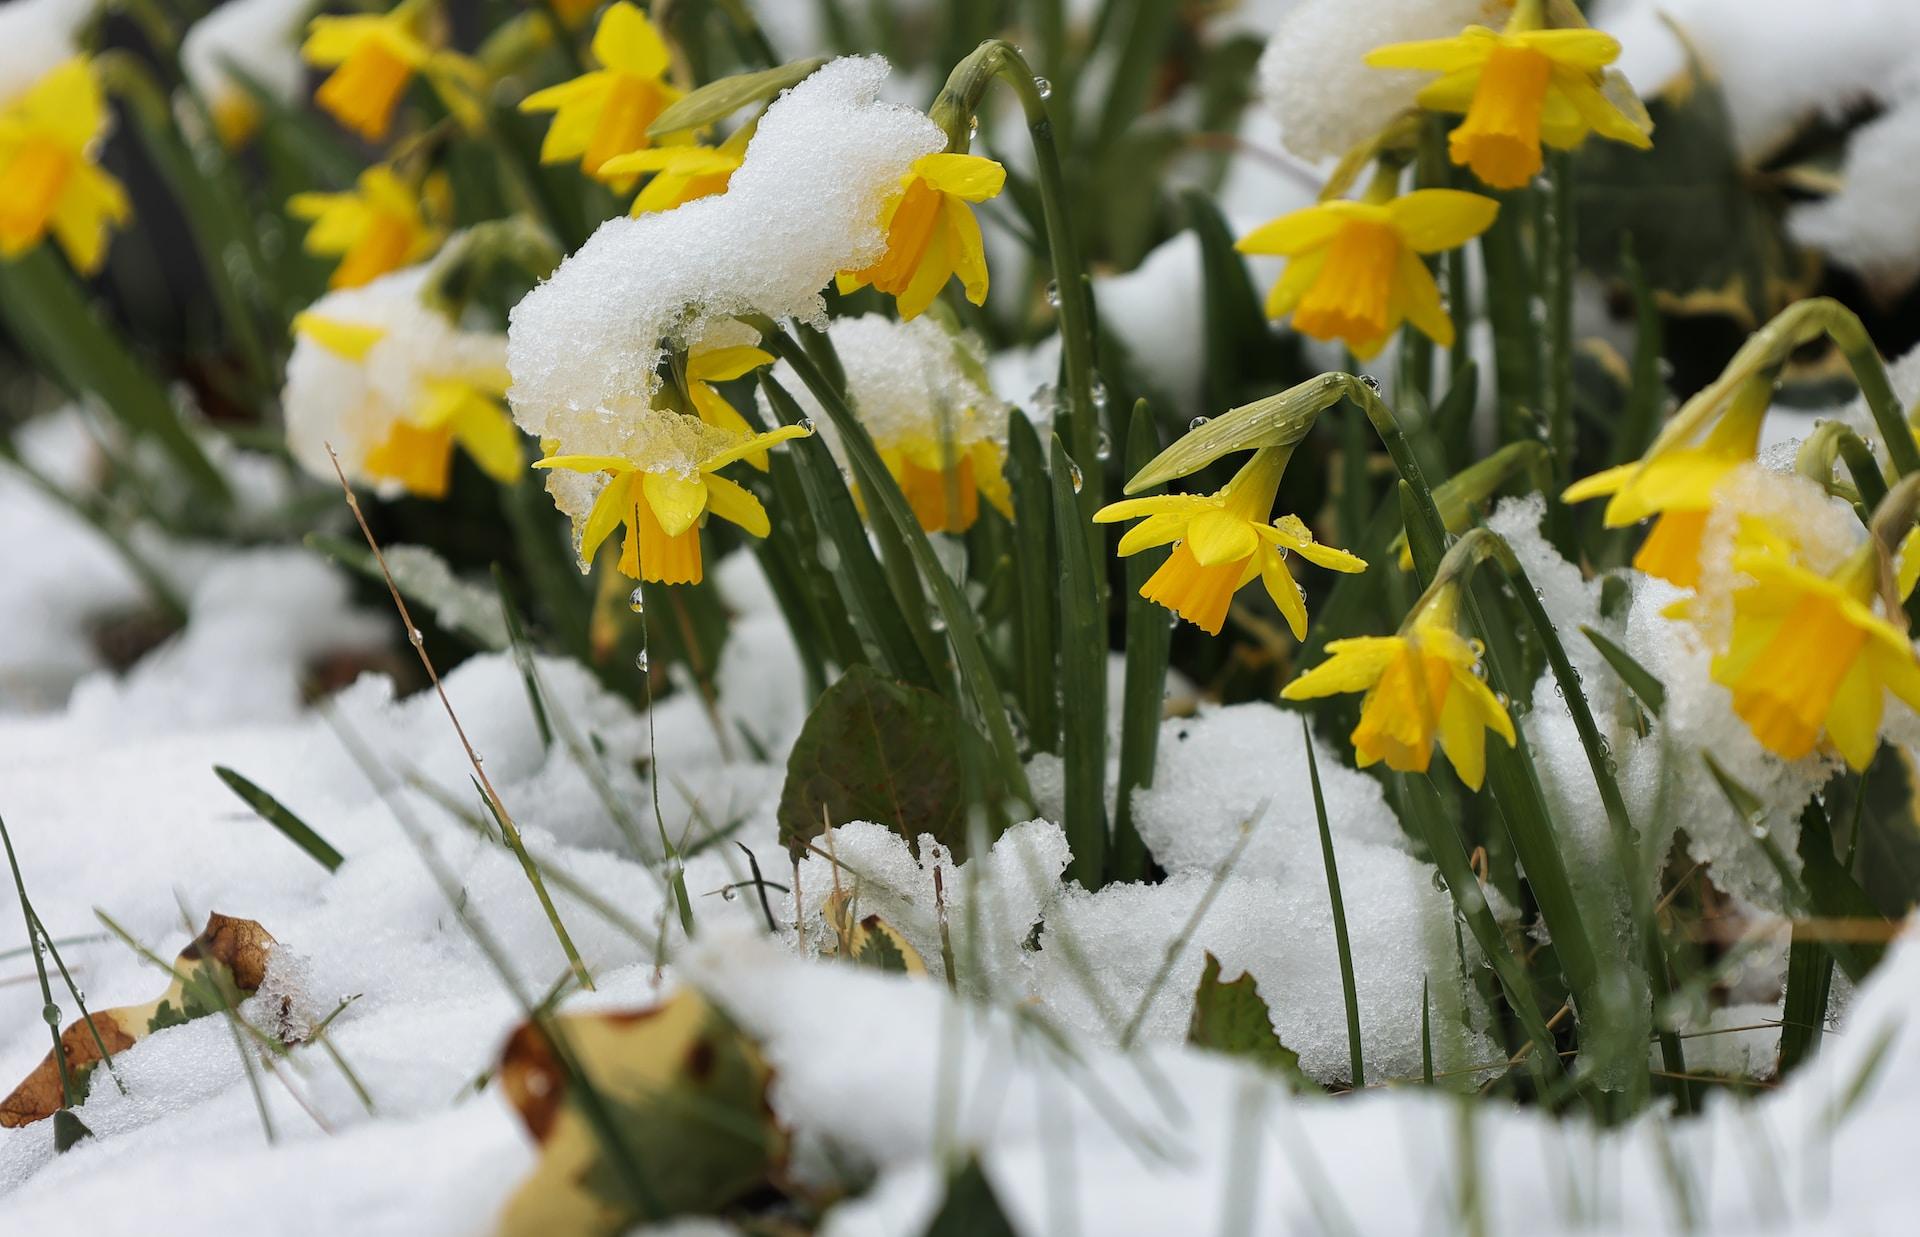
[[680, 174], [374, 58], [1422, 685], [381, 225], [1519, 87], [663, 502], [1355, 272], [944, 481], [1676, 484], [1224, 541], [605, 113], [463, 406], [1809, 654], [932, 235], [48, 135]]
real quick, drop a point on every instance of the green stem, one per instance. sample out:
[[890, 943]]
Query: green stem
[[1558, 275]]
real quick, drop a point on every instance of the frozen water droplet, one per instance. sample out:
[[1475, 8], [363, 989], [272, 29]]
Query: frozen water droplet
[[1103, 448], [1371, 383], [1073, 475], [1196, 423], [640, 662], [637, 600], [1053, 293], [1043, 87]]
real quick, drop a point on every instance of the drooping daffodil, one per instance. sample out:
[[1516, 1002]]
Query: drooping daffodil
[[662, 500], [1354, 269], [1222, 541], [1520, 87], [374, 57], [680, 174], [931, 233], [1421, 687]]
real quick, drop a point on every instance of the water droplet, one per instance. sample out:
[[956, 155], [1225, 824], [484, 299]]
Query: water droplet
[[1073, 475], [829, 556], [1480, 671], [1759, 829], [1196, 423], [1173, 620], [416, 637], [1103, 448], [1099, 394], [805, 423], [1478, 648], [637, 600], [1371, 383], [973, 124], [641, 663], [727, 894], [52, 1014], [1284, 551], [1053, 293], [1439, 881], [1043, 87], [1502, 699], [937, 621]]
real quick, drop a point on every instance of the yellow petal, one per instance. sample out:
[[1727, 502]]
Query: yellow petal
[[1433, 220], [970, 177], [1417, 298], [611, 507], [586, 463], [726, 364], [1285, 591], [1307, 228], [1155, 530], [736, 505], [1463, 51], [677, 501], [1217, 536], [349, 340], [1853, 722], [1600, 484], [1588, 49], [1153, 504], [627, 41], [759, 442], [1464, 740], [1352, 665]]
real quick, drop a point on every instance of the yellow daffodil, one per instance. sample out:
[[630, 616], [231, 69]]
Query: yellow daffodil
[[1676, 484], [466, 407], [375, 56], [1355, 272], [1518, 87], [662, 506], [1421, 685], [381, 225], [680, 174], [1809, 654], [706, 366], [944, 482], [48, 135], [605, 113], [932, 235], [1224, 541]]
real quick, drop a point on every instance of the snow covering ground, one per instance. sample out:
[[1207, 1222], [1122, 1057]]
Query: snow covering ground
[[111, 798]]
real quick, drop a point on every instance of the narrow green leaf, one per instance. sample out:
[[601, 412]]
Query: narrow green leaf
[[862, 583], [280, 817], [724, 96], [1083, 680], [1231, 1017], [1639, 680], [523, 657], [970, 1208], [1037, 617], [1149, 637]]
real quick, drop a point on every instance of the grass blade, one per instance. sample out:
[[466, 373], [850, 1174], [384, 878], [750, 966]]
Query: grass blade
[[1356, 1062], [1639, 680], [1149, 636], [280, 817], [1036, 616]]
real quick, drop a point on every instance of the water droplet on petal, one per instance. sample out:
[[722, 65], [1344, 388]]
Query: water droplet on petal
[[1197, 422], [805, 423]]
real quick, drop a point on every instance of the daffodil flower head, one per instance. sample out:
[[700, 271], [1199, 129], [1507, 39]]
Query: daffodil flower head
[[712, 362], [49, 135], [257, 37], [605, 112], [392, 386], [1354, 271], [932, 235], [920, 390], [1520, 87], [680, 174], [1809, 652], [382, 224], [374, 57], [663, 489], [1222, 541], [1423, 685], [1675, 482]]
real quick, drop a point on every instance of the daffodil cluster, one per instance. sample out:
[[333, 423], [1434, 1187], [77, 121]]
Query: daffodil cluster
[[50, 135]]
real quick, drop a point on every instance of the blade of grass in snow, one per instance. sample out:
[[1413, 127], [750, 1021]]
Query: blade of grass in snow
[[492, 796], [522, 656], [280, 817], [69, 1129], [1356, 1063], [1639, 680], [1148, 639], [1037, 617]]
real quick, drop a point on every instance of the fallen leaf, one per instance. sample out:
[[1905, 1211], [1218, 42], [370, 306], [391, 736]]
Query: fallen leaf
[[225, 962], [640, 1115], [1233, 1018]]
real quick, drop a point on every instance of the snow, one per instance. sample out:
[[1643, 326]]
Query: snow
[[1867, 224], [584, 345], [259, 37], [36, 35], [1317, 54]]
